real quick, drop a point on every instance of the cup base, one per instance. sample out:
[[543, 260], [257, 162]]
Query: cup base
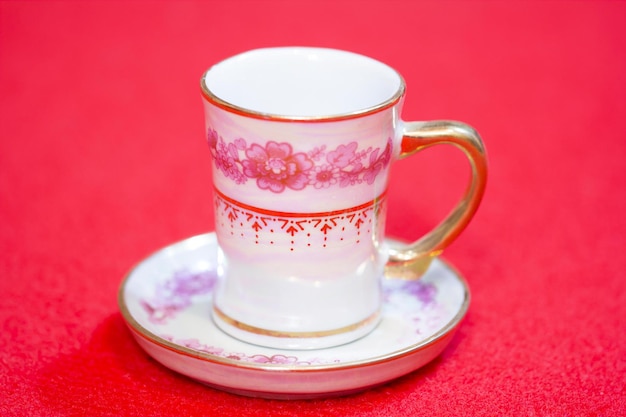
[[294, 340]]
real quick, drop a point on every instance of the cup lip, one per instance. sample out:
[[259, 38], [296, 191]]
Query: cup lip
[[242, 111]]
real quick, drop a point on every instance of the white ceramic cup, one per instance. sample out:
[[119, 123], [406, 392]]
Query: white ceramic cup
[[302, 140]]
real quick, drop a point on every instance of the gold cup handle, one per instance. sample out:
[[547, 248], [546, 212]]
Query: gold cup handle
[[411, 261]]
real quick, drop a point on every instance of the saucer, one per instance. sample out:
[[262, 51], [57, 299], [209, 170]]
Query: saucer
[[166, 302]]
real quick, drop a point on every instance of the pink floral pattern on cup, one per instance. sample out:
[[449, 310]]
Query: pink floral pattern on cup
[[277, 166]]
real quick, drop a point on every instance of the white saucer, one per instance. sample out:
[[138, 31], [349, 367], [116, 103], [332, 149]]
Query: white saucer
[[166, 302]]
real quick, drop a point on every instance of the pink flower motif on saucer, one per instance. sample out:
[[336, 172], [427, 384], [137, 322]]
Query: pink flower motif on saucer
[[426, 293], [175, 294], [278, 359]]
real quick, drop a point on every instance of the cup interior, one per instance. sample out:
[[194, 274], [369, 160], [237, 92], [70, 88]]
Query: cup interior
[[302, 82]]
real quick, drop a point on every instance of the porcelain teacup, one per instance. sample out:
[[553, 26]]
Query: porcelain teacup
[[302, 140]]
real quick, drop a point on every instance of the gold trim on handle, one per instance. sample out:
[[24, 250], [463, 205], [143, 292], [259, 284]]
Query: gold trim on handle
[[412, 261]]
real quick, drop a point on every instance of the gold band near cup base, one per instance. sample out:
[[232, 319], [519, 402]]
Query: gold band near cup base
[[293, 335]]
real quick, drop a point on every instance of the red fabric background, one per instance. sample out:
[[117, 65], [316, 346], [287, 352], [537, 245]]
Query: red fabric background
[[103, 160]]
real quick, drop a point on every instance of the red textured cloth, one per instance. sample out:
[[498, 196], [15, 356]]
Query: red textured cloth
[[103, 160]]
